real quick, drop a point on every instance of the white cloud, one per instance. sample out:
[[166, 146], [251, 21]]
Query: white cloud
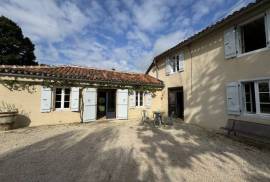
[[45, 19], [203, 7], [140, 37], [167, 41], [151, 15]]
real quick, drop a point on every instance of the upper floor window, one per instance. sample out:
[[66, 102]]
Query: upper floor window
[[246, 37], [253, 35], [62, 98], [175, 64]]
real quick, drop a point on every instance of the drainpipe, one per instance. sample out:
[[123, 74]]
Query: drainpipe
[[191, 74], [155, 63]]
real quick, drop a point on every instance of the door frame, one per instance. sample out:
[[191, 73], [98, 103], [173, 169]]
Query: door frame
[[106, 91]]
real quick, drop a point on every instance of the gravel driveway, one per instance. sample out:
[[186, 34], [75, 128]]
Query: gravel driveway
[[126, 151]]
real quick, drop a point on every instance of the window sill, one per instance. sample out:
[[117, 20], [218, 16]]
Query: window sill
[[252, 52], [176, 72], [257, 116], [139, 107], [62, 109]]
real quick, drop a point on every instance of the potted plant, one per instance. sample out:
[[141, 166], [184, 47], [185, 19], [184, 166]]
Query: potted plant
[[8, 114]]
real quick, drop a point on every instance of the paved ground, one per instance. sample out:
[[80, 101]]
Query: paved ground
[[126, 151]]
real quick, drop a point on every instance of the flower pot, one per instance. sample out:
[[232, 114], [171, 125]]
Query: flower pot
[[7, 119]]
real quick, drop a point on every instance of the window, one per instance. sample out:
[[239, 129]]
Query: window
[[139, 99], [176, 66], [62, 98], [174, 63], [264, 97], [253, 35], [250, 104], [257, 97]]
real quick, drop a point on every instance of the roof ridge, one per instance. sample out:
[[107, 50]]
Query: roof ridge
[[26, 66], [83, 74], [95, 68], [68, 66]]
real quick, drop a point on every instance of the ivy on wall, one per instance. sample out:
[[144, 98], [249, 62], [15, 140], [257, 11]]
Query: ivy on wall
[[16, 84]]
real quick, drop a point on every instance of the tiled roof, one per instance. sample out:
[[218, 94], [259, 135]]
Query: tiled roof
[[210, 28], [84, 74]]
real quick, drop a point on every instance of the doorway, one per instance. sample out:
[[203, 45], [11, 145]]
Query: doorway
[[176, 102], [106, 104]]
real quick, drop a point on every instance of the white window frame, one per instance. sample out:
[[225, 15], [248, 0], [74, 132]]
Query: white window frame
[[257, 98], [175, 61], [62, 99], [239, 38], [244, 97], [139, 98]]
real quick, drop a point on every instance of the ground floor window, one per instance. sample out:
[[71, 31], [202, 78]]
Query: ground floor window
[[139, 99], [250, 103], [257, 97], [62, 98]]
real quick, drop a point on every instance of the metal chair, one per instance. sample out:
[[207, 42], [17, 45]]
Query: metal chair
[[171, 118], [157, 119], [144, 116]]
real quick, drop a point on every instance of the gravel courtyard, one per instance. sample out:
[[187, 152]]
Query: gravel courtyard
[[127, 151]]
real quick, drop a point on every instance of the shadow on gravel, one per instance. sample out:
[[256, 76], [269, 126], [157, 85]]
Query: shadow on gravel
[[72, 156], [190, 143], [156, 155]]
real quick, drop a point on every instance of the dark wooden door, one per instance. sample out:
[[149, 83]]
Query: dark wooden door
[[111, 104], [176, 102]]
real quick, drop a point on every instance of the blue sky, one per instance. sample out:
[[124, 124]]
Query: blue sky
[[120, 34]]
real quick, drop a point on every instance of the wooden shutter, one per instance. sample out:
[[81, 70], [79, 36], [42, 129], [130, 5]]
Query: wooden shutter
[[233, 98], [267, 24], [46, 99], [75, 93], [148, 100], [168, 68], [181, 61], [122, 104], [90, 104], [132, 99], [230, 43]]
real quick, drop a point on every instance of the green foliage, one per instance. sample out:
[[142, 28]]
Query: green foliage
[[15, 49]]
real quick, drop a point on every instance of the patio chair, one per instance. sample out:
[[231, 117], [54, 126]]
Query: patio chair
[[144, 116], [171, 119]]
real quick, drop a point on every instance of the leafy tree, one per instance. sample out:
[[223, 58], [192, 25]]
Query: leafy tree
[[15, 49]]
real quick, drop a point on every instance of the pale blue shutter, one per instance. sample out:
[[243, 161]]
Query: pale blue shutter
[[181, 61], [168, 68], [233, 98], [75, 93], [268, 27], [230, 43], [46, 99], [148, 100], [132, 99], [122, 104], [89, 104]]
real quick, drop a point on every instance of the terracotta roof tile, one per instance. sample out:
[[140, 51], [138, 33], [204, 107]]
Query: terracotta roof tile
[[81, 73]]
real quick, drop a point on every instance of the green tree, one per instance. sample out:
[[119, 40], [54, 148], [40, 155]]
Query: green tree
[[15, 49]]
